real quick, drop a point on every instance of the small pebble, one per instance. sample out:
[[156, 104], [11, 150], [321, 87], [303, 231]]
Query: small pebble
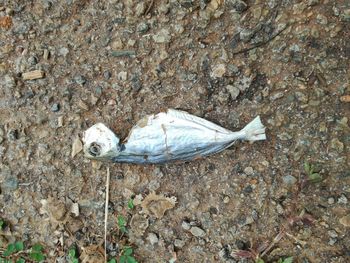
[[289, 180], [226, 199], [13, 135], [249, 170], [234, 91], [107, 74], [197, 232], [142, 27], [152, 238], [163, 36], [342, 199], [55, 107], [331, 201], [218, 71], [79, 79], [179, 243], [76, 147], [186, 225]]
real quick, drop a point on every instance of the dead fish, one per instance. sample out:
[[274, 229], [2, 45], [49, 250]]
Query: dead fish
[[166, 137]]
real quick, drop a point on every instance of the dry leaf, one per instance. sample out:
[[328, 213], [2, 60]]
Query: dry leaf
[[92, 254], [55, 209], [156, 205], [139, 224]]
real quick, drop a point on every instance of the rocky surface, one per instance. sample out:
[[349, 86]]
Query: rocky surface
[[227, 61]]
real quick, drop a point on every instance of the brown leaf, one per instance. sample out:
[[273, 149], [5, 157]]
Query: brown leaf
[[156, 205]]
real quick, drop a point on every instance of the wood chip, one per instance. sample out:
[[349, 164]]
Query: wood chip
[[76, 147], [46, 54], [35, 74], [345, 98]]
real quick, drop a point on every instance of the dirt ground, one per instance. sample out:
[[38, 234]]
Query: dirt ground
[[227, 61]]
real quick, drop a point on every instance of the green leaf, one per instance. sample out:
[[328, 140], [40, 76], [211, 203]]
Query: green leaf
[[75, 260], [307, 167], [72, 252], [2, 225], [20, 260], [122, 259], [37, 256], [9, 250], [127, 251], [19, 246], [130, 259], [315, 178], [121, 221], [259, 260], [112, 261], [37, 248], [288, 260], [131, 203]]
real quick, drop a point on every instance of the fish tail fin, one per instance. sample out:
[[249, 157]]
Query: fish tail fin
[[254, 131]]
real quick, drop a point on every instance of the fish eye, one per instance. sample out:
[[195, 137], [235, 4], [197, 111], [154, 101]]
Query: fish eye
[[94, 149]]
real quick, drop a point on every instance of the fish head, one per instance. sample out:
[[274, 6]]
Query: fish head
[[100, 143]]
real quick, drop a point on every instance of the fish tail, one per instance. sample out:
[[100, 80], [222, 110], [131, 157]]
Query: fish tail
[[254, 131]]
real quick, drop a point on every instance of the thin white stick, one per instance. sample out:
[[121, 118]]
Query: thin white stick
[[106, 211]]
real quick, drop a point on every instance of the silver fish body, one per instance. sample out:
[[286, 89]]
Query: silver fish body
[[168, 136]]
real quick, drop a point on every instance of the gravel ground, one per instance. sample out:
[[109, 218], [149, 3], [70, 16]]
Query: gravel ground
[[66, 65]]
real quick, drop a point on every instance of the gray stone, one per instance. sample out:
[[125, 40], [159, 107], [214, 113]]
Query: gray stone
[[13, 135], [9, 180], [79, 79], [152, 238], [163, 36], [276, 96], [197, 232], [140, 8], [63, 51], [142, 27], [238, 5], [343, 199], [249, 170], [32, 60], [289, 180], [186, 225], [179, 243], [246, 34], [55, 107], [234, 91]]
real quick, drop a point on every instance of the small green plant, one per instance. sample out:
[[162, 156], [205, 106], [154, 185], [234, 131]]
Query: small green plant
[[126, 256], [2, 224], [73, 255], [112, 261], [286, 260], [36, 253], [13, 248], [312, 175], [131, 203], [122, 224]]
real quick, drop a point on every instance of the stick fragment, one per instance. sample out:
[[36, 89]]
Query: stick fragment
[[106, 211], [35, 74]]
